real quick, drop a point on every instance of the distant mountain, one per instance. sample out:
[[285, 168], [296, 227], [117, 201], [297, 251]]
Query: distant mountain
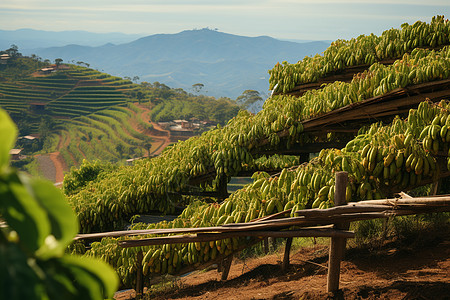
[[226, 64], [31, 39]]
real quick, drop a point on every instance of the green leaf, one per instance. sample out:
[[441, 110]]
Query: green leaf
[[93, 274], [17, 279], [8, 133], [22, 212], [59, 282], [64, 224]]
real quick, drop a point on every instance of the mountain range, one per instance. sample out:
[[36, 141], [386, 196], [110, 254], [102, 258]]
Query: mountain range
[[30, 38], [225, 64]]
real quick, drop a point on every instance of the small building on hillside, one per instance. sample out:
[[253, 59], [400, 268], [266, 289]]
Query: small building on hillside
[[184, 124], [53, 68], [4, 58], [165, 125], [178, 130], [15, 154], [47, 70], [38, 107], [28, 139]]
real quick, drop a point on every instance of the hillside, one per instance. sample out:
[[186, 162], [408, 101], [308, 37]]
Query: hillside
[[78, 113], [226, 64]]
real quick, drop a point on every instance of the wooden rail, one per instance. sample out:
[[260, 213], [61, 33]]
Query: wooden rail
[[332, 222]]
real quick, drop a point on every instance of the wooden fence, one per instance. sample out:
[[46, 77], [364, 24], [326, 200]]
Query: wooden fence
[[333, 222]]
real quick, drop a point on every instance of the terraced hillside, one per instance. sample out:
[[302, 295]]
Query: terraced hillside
[[88, 116], [81, 113], [112, 135], [68, 93]]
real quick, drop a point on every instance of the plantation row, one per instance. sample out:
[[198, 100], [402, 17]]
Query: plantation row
[[380, 160], [106, 135], [226, 151], [137, 117], [63, 95], [364, 50], [16, 98], [84, 73]]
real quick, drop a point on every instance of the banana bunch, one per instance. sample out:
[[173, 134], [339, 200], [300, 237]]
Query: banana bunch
[[380, 160], [418, 67], [148, 185], [364, 50], [172, 258], [274, 162]]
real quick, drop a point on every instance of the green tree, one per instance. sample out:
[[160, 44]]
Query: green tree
[[45, 127], [13, 51], [58, 62], [39, 225], [197, 87], [248, 97]]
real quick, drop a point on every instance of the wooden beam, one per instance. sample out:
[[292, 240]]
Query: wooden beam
[[266, 245], [287, 251], [139, 276], [308, 217], [211, 194], [299, 149], [226, 265], [337, 244], [210, 236]]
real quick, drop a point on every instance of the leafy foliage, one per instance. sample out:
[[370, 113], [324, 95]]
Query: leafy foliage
[[39, 227], [88, 171]]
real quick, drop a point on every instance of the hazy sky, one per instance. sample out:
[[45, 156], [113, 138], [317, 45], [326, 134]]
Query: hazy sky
[[288, 19]]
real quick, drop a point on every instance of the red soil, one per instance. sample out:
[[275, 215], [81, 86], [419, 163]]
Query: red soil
[[385, 273]]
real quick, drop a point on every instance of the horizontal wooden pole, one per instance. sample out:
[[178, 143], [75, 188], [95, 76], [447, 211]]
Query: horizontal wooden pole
[[211, 194], [206, 237], [442, 200], [351, 212]]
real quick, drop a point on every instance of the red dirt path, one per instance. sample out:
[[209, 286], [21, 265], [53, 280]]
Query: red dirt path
[[160, 136], [385, 273]]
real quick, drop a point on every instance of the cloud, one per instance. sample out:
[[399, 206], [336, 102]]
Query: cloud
[[299, 19]]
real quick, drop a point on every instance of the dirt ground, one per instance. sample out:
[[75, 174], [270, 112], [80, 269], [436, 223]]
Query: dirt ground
[[387, 272]]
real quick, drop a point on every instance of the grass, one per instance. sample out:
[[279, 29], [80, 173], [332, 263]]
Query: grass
[[413, 230]]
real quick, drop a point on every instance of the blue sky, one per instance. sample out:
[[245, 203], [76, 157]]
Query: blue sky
[[285, 19]]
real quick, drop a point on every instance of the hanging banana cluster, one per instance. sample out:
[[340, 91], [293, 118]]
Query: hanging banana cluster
[[364, 50], [273, 162], [379, 160], [420, 66], [172, 258], [148, 185]]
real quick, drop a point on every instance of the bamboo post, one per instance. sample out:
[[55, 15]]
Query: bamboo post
[[222, 188], [139, 277], [337, 244], [226, 265], [287, 251], [266, 245], [434, 188]]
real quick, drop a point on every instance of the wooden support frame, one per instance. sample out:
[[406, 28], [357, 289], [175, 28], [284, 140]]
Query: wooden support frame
[[226, 265], [139, 276], [337, 244], [266, 245], [287, 251]]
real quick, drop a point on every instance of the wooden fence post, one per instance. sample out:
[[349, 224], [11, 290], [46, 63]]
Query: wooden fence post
[[266, 245], [337, 244], [139, 276], [226, 265], [222, 188], [287, 251]]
